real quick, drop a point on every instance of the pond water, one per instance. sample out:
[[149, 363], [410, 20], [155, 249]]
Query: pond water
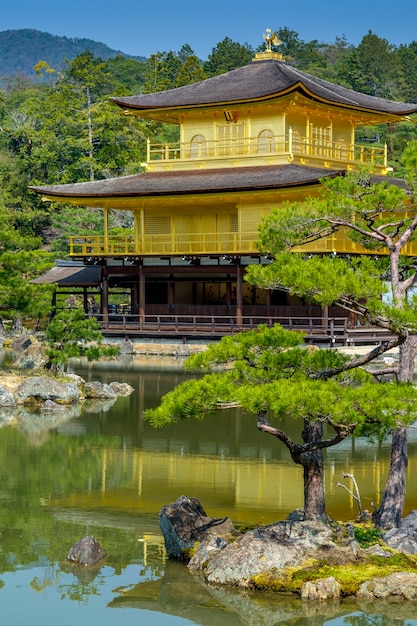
[[106, 472]]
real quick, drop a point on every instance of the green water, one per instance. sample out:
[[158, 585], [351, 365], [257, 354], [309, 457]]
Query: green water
[[106, 472]]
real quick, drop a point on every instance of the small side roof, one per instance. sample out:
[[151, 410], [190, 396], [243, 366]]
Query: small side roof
[[258, 81], [70, 275]]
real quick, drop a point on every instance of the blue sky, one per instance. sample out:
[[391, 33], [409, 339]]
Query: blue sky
[[143, 28]]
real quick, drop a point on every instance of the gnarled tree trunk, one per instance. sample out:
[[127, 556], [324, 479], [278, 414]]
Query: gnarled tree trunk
[[313, 468], [393, 500]]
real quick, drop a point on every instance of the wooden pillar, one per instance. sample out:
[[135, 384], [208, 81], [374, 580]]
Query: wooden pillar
[[228, 294], [141, 295], [106, 230], [268, 302], [105, 295], [171, 295], [239, 302], [135, 297], [325, 316], [131, 300], [85, 300]]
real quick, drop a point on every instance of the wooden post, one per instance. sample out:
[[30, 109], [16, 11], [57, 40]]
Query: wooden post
[[239, 302], [141, 296], [268, 303], [171, 295], [135, 298], [105, 296], [228, 294]]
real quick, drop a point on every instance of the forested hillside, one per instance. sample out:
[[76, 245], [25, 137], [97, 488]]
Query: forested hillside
[[21, 49], [58, 125]]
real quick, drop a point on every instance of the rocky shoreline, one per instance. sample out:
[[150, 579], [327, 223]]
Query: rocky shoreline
[[314, 560]]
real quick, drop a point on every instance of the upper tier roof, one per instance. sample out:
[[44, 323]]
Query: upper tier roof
[[258, 81]]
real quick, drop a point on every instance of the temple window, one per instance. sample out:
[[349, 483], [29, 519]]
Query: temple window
[[198, 147], [157, 224], [321, 137], [341, 148], [266, 142], [231, 139]]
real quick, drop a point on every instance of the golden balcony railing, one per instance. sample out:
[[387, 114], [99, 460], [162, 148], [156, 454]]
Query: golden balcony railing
[[291, 144], [164, 244], [195, 244]]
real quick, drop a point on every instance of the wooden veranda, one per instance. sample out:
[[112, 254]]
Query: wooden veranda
[[330, 331]]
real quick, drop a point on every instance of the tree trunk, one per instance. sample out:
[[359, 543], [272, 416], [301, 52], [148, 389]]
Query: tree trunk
[[393, 500], [390, 511], [313, 467]]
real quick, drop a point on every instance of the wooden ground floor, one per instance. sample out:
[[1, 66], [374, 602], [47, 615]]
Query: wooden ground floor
[[191, 298]]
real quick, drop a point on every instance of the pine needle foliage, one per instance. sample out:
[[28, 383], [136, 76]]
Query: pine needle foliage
[[72, 334]]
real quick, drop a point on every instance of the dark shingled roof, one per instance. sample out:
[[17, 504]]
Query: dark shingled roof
[[70, 276], [193, 182], [261, 80]]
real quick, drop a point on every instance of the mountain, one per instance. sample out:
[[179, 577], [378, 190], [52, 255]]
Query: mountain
[[21, 49]]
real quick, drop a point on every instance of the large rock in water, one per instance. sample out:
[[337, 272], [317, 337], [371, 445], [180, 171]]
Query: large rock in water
[[41, 388], [95, 389], [269, 549], [185, 522], [87, 551]]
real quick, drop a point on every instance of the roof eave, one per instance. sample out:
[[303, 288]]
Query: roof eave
[[148, 111]]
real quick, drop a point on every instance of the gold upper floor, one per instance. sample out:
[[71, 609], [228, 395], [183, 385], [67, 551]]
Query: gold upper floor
[[266, 148], [289, 128]]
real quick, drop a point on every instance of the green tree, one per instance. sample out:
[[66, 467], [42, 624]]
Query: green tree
[[126, 73], [304, 55], [156, 76], [190, 72], [226, 56], [18, 296], [406, 65], [372, 67], [87, 75], [270, 374], [382, 218], [72, 334]]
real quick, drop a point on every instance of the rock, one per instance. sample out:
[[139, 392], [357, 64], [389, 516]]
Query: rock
[[98, 390], [74, 378], [377, 550], [33, 357], [121, 389], [400, 586], [184, 522], [210, 546], [401, 539], [6, 397], [271, 549], [21, 343], [41, 388], [87, 551], [409, 521], [325, 589]]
